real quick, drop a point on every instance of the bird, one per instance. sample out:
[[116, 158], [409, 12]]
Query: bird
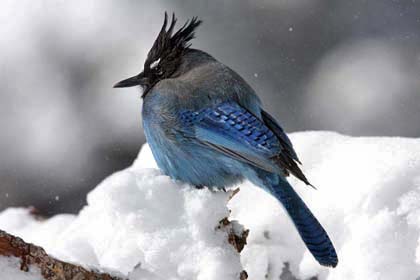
[[206, 126]]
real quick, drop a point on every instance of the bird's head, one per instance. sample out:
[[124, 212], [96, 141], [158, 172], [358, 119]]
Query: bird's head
[[165, 56]]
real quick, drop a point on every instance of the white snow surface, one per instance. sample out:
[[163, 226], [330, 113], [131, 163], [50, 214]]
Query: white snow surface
[[9, 270], [138, 219], [141, 223]]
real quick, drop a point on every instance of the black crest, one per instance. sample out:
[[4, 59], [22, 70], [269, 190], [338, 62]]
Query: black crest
[[169, 47], [165, 56]]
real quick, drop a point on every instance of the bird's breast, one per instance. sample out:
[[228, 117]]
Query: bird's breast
[[187, 161]]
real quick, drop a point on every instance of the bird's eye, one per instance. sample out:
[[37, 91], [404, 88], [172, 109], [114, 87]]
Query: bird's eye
[[155, 63]]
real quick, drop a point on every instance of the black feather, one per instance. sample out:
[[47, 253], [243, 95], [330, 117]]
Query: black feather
[[169, 47], [165, 56], [288, 164]]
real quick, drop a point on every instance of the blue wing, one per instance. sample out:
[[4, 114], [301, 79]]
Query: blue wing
[[234, 131]]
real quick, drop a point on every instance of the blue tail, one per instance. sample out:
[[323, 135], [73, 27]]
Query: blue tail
[[310, 230]]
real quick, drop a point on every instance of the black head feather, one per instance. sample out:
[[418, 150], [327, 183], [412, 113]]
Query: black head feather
[[165, 56], [166, 53]]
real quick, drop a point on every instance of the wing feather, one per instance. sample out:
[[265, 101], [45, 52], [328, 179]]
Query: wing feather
[[235, 132]]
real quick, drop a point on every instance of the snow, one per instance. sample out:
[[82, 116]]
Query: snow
[[9, 270], [138, 219], [140, 223]]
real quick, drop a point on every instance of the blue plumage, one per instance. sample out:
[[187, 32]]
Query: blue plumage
[[206, 127]]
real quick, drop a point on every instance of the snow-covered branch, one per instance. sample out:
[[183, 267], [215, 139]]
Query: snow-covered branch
[[143, 225]]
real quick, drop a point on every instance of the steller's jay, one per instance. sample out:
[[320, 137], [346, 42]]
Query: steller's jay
[[205, 126]]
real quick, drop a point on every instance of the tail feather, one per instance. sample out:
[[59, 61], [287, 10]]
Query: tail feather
[[310, 230]]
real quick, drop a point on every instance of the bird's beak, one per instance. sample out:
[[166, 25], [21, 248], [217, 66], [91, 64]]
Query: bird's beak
[[130, 82]]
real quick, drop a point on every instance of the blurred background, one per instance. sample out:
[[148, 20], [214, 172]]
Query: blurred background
[[347, 66]]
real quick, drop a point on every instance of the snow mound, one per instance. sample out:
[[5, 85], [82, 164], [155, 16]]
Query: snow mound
[[140, 223], [368, 200], [143, 221]]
